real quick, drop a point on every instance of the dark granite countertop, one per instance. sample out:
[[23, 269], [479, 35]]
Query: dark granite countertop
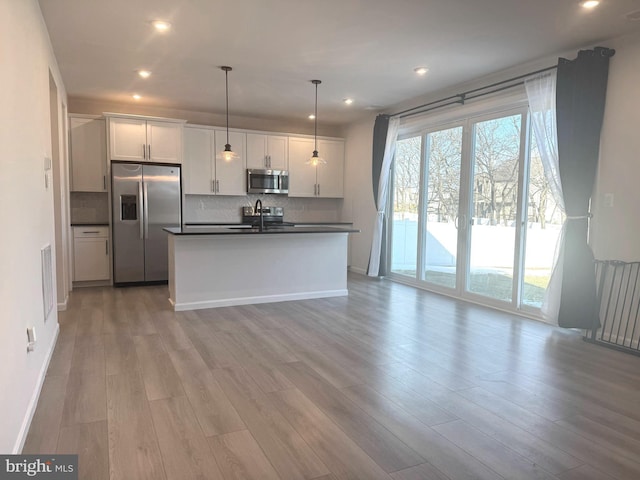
[[194, 230], [204, 224]]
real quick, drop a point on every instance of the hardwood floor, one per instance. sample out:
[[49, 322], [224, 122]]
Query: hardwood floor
[[388, 383]]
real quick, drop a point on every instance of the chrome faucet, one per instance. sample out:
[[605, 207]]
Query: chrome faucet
[[255, 209]]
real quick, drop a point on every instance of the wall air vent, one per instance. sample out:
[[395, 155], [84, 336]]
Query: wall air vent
[[47, 281]]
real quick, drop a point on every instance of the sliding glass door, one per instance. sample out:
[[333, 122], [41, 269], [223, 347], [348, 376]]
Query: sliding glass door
[[472, 214], [442, 204], [494, 212], [406, 206], [424, 233]]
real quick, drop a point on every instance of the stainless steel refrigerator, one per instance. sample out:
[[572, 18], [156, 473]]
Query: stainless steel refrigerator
[[146, 199]]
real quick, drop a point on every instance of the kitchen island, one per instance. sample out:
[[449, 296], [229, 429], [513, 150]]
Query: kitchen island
[[231, 265]]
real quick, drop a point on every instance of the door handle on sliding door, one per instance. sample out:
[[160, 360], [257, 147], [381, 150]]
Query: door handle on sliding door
[[146, 211]]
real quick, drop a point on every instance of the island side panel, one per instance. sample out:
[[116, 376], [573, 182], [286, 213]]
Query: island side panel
[[172, 269], [217, 270]]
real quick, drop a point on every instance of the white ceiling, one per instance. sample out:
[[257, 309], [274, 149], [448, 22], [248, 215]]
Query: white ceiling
[[364, 49]]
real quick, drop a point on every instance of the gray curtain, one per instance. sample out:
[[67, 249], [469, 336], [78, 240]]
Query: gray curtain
[[580, 99], [380, 129]]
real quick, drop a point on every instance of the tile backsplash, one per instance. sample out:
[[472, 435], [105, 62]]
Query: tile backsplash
[[211, 208], [89, 207]]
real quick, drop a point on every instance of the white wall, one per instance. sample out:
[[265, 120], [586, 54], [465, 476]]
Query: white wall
[[616, 230], [26, 211], [97, 107], [358, 205]]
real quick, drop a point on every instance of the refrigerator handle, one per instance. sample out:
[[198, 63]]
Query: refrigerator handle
[[146, 211], [140, 209]]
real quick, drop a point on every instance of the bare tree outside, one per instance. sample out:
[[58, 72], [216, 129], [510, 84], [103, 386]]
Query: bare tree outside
[[495, 165], [496, 153], [407, 177], [443, 190]]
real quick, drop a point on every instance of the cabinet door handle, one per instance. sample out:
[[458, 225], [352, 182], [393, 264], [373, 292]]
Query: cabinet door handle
[[91, 231], [149, 147], [315, 188], [106, 247], [104, 182], [144, 151], [318, 189], [217, 186], [213, 186]]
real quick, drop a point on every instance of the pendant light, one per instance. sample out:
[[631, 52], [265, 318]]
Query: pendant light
[[227, 154], [315, 159]]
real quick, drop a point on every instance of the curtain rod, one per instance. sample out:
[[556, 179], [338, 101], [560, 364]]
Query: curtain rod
[[460, 98]]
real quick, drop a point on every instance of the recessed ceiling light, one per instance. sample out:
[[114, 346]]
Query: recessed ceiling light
[[589, 4], [144, 73], [348, 101], [136, 96], [421, 70], [312, 117], [161, 25]]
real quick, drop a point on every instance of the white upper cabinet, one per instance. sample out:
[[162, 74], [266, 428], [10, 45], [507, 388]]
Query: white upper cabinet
[[198, 164], [320, 181], [267, 151], [330, 176], [204, 173], [231, 176], [302, 177], [164, 142], [128, 139], [88, 151], [140, 140]]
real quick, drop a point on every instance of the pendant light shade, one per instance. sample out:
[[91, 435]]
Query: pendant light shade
[[227, 154], [315, 158]]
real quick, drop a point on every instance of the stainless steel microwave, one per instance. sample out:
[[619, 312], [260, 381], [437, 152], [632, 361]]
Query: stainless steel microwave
[[267, 181]]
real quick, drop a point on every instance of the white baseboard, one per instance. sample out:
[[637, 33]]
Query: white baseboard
[[33, 403], [230, 302], [63, 306], [360, 271]]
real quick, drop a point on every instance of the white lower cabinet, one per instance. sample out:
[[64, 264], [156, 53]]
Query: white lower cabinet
[[204, 174], [91, 258]]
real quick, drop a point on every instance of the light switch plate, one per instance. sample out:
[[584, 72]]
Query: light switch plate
[[608, 200], [31, 339]]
